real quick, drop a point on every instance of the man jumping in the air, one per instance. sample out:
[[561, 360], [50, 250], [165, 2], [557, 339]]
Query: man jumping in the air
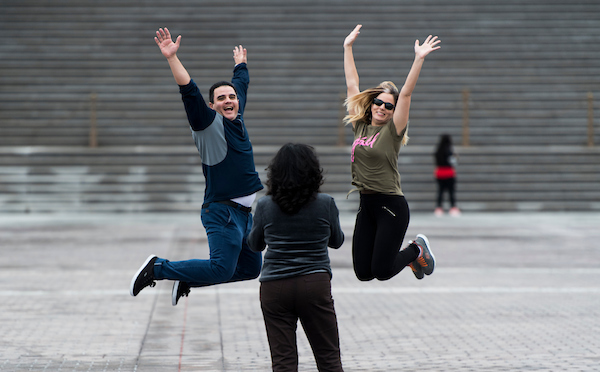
[[231, 181]]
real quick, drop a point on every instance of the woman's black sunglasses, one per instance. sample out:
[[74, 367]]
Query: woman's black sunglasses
[[378, 102]]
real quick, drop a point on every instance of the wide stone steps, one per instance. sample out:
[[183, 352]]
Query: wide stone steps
[[527, 65], [144, 179]]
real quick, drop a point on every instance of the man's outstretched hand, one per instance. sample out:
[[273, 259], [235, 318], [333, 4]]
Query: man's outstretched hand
[[167, 47], [240, 55]]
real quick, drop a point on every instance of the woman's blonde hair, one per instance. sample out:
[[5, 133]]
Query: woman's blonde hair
[[360, 104]]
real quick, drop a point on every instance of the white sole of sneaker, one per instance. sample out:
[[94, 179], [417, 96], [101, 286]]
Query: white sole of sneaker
[[138, 273], [174, 293], [427, 243]]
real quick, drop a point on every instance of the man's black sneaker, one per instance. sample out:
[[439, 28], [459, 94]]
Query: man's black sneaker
[[426, 259], [180, 289], [144, 277]]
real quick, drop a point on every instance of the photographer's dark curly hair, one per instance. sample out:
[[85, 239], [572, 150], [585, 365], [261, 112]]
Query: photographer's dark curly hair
[[294, 177]]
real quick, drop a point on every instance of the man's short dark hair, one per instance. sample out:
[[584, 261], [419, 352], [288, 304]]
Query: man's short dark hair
[[215, 86]]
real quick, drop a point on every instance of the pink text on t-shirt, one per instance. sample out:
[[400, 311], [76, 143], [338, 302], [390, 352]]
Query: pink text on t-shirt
[[363, 141]]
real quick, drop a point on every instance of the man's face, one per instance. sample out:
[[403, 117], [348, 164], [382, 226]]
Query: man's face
[[225, 102]]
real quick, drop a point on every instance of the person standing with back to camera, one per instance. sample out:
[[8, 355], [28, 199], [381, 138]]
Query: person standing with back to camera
[[297, 223], [445, 175], [379, 118]]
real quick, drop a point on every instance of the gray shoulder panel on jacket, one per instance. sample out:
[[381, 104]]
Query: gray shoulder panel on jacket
[[211, 142]]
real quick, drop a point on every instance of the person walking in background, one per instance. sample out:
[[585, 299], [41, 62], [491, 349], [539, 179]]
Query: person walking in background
[[445, 175], [379, 118], [231, 181], [297, 223]]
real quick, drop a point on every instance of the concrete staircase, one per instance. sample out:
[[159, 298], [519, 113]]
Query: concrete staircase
[[166, 178], [528, 68]]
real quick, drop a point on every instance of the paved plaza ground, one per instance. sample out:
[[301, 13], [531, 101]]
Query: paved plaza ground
[[511, 292]]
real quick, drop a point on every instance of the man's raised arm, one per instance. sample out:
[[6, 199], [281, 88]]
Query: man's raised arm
[[169, 49]]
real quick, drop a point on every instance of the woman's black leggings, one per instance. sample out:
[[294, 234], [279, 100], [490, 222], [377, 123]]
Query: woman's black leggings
[[381, 224]]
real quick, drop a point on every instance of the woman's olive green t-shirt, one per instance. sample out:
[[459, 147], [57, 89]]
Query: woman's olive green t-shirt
[[374, 158]]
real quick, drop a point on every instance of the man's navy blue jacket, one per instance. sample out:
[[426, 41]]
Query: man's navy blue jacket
[[223, 145]]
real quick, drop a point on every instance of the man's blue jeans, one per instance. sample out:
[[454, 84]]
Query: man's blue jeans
[[230, 260]]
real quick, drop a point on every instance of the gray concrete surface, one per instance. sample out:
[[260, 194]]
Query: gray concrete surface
[[511, 292]]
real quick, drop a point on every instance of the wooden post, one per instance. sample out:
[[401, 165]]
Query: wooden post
[[93, 140], [465, 128], [590, 99]]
